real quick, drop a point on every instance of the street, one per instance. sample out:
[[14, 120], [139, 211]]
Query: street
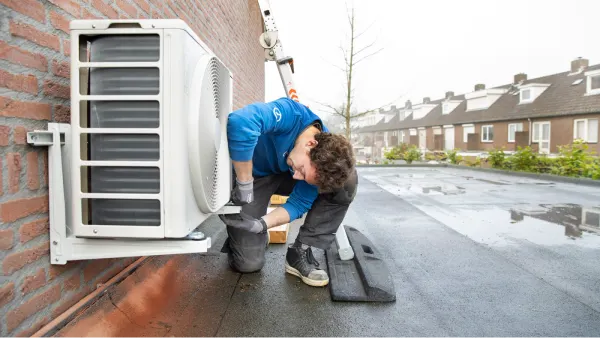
[[471, 253]]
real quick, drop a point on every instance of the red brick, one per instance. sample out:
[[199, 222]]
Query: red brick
[[34, 282], [59, 22], [73, 282], [110, 273], [27, 110], [62, 69], [105, 9], [62, 113], [16, 209], [64, 306], [31, 230], [20, 83], [1, 179], [34, 328], [22, 57], [127, 8], [30, 33], [89, 15], [94, 268], [20, 136], [32, 8], [69, 6], [6, 239], [15, 317], [18, 260], [4, 135], [57, 270], [33, 171], [14, 164], [54, 89], [67, 47], [143, 4], [7, 293]]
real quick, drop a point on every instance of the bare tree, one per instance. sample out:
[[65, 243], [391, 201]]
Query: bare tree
[[353, 55]]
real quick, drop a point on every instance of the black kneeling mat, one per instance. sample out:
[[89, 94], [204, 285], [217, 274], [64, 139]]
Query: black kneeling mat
[[364, 278]]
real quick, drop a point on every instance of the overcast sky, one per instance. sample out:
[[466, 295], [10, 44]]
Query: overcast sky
[[430, 46]]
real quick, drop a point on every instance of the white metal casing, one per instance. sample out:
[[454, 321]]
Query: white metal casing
[[180, 52]]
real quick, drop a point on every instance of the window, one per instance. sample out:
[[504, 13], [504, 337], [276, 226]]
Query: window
[[437, 131], [413, 132], [535, 136], [446, 108], [593, 82], [513, 128], [525, 95], [586, 130], [487, 133], [468, 129]]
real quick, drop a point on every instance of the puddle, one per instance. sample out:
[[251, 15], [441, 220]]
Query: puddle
[[492, 182], [575, 218], [445, 190]]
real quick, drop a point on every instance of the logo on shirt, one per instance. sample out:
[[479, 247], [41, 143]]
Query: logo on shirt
[[277, 114]]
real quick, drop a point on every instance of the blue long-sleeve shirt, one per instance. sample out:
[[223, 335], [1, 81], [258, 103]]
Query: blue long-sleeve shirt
[[265, 133]]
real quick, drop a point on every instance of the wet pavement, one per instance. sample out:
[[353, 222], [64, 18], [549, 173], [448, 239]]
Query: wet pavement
[[471, 254]]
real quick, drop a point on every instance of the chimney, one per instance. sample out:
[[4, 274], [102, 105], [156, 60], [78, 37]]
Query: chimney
[[520, 78], [393, 108], [449, 95], [578, 64], [381, 110], [479, 86], [408, 105], [426, 100]]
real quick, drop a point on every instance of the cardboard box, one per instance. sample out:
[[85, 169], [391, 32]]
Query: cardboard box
[[278, 199], [278, 234]]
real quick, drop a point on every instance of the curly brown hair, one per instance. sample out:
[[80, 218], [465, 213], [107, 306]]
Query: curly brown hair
[[333, 159]]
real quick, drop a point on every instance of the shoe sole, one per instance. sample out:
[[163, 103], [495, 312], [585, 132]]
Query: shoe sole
[[306, 280]]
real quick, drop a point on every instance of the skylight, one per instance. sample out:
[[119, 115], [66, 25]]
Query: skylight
[[576, 82]]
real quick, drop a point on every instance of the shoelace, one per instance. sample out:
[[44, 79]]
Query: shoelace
[[310, 257]]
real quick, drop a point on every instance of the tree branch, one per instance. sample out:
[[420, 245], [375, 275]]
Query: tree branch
[[368, 56]]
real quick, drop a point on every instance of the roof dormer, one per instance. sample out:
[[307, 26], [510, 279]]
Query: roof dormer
[[592, 79], [529, 92], [422, 109], [483, 98]]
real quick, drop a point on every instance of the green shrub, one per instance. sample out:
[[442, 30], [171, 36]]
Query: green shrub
[[473, 162], [575, 160], [430, 157], [396, 153], [496, 158], [453, 156], [413, 154], [440, 155], [524, 159]]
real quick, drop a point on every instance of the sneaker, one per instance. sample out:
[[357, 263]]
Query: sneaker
[[300, 262]]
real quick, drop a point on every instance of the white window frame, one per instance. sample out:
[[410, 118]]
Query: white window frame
[[585, 130], [589, 76], [413, 132], [513, 140], [465, 135], [483, 133], [522, 100], [533, 125], [437, 130]]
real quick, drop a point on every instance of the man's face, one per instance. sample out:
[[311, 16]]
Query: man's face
[[299, 161]]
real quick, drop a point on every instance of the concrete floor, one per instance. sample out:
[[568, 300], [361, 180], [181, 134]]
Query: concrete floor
[[471, 253]]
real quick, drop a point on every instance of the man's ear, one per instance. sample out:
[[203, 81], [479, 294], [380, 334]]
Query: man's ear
[[311, 143]]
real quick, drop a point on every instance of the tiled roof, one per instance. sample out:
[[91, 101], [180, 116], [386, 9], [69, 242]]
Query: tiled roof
[[559, 99]]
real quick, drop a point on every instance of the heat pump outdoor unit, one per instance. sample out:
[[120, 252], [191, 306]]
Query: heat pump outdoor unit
[[144, 161]]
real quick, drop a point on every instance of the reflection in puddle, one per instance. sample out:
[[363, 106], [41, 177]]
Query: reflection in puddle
[[445, 189], [573, 217]]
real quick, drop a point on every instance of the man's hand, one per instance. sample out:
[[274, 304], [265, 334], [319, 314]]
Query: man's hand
[[245, 222], [243, 193]]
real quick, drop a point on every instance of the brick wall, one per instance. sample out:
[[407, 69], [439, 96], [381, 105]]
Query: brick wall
[[34, 89]]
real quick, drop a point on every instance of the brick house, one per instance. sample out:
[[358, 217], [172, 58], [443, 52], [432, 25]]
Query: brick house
[[34, 84], [543, 113]]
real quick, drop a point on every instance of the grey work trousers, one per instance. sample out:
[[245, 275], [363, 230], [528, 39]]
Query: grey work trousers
[[246, 250]]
